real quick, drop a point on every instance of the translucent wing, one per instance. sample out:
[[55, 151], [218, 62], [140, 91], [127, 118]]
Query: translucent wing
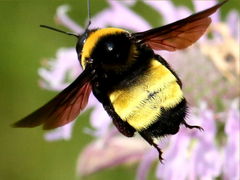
[[64, 108], [180, 34]]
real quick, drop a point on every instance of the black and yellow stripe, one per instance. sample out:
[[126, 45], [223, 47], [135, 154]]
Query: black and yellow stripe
[[140, 104]]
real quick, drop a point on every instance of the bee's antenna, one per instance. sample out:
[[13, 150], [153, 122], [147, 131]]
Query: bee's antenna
[[58, 30], [69, 33], [89, 13]]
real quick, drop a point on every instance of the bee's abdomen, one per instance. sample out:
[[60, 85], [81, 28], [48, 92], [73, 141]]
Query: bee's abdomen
[[155, 92], [169, 121]]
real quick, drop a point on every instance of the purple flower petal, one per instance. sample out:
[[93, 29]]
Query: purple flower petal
[[66, 62], [169, 12], [62, 18], [193, 157], [233, 22], [117, 150], [99, 119], [202, 5], [129, 3], [206, 157], [116, 16], [64, 132], [231, 150], [145, 164], [175, 165]]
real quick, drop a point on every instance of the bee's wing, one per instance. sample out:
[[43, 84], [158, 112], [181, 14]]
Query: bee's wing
[[180, 34], [63, 108]]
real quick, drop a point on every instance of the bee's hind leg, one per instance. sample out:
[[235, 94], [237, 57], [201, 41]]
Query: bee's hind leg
[[191, 127], [151, 142]]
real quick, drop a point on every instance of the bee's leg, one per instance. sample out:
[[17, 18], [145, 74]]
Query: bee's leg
[[151, 142], [122, 126], [191, 127]]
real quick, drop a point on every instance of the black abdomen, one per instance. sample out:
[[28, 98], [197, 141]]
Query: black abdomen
[[169, 121]]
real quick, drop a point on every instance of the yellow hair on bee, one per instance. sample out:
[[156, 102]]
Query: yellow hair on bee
[[140, 104], [92, 40]]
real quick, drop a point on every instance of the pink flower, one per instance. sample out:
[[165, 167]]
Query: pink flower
[[231, 163], [193, 155], [189, 154], [102, 153]]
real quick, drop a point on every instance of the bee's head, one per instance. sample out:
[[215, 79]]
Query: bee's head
[[81, 40], [109, 49]]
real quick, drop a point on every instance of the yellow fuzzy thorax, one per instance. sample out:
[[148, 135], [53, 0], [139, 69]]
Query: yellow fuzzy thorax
[[93, 39]]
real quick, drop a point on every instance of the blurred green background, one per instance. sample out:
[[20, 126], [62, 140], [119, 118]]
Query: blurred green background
[[24, 154]]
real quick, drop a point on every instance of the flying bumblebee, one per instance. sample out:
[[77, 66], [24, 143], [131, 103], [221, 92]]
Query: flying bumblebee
[[137, 87]]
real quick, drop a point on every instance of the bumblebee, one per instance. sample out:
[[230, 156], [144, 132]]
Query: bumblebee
[[137, 88]]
